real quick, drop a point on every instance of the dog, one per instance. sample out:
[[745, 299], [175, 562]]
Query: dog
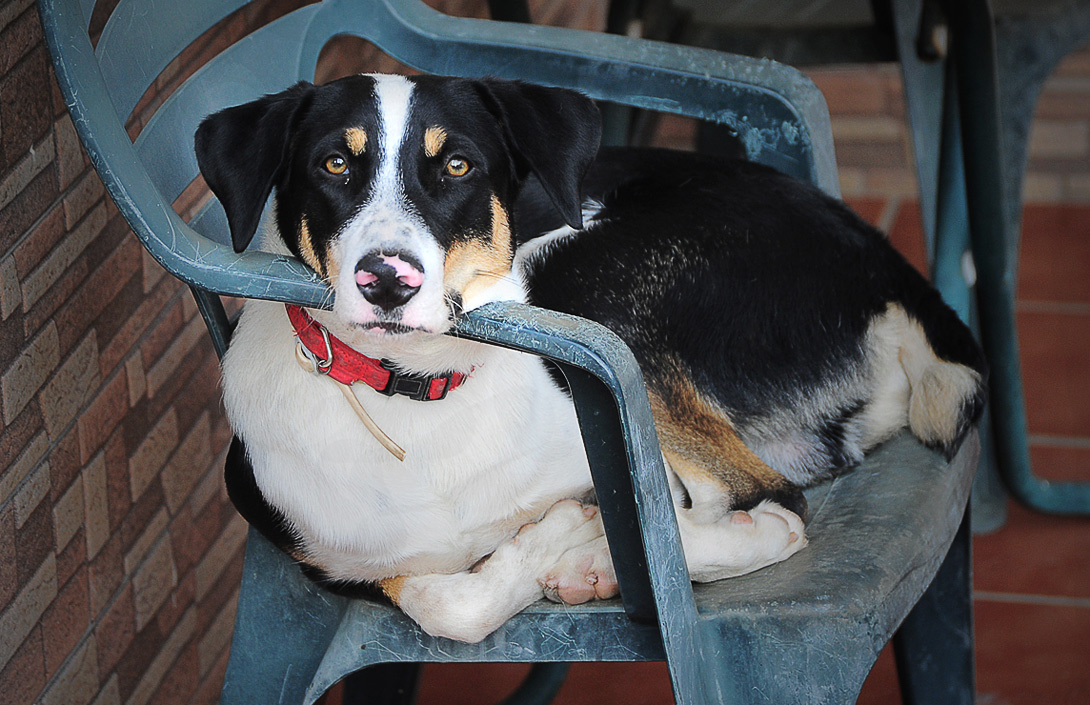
[[780, 337]]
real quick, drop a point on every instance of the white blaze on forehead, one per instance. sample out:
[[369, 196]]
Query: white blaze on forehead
[[394, 97]]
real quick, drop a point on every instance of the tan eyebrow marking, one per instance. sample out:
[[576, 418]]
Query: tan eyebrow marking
[[434, 139], [357, 140], [306, 247]]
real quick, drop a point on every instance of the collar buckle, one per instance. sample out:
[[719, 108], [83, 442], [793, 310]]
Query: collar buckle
[[416, 387]]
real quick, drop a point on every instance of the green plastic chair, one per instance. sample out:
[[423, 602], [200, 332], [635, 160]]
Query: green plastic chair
[[807, 630]]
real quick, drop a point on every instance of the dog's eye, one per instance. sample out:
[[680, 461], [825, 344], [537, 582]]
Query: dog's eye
[[336, 165], [457, 167]]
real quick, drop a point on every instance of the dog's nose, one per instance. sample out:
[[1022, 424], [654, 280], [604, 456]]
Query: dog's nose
[[389, 280]]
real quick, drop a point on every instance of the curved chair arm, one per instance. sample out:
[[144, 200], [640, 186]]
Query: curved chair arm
[[626, 464]]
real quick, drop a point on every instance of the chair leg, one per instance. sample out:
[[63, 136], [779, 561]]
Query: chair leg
[[934, 646]]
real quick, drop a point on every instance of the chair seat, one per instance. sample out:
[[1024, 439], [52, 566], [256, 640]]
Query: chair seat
[[877, 535]]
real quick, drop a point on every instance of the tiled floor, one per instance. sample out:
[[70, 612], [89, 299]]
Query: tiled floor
[[1032, 577]]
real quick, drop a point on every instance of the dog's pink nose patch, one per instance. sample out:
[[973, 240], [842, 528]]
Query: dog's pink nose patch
[[406, 273]]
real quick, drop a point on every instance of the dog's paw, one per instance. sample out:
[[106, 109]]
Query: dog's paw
[[539, 545], [582, 574], [741, 542]]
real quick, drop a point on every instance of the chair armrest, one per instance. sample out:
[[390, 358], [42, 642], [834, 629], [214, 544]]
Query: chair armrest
[[625, 458]]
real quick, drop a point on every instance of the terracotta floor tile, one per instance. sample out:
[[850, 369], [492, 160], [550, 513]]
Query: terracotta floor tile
[[1035, 554], [1056, 371], [881, 687], [1032, 654], [1061, 464], [470, 683], [1055, 256]]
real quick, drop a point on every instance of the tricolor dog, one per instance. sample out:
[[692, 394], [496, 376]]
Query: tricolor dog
[[780, 338]]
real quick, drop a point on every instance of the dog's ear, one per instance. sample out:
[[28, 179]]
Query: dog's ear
[[552, 132], [243, 151]]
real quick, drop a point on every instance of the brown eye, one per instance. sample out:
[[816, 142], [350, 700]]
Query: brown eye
[[336, 165], [457, 167]]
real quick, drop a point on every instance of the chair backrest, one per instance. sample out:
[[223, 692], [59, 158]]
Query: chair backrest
[[779, 115]]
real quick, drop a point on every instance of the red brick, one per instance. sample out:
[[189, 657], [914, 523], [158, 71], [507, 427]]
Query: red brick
[[23, 676], [179, 601], [177, 383], [57, 296], [113, 232], [209, 691], [119, 498], [97, 291], [162, 334], [28, 206], [135, 325], [38, 243], [18, 38], [187, 543], [65, 621], [25, 106], [117, 312], [181, 681], [202, 389], [141, 651], [34, 541], [105, 573], [224, 590], [115, 631], [102, 415], [15, 436], [64, 463], [73, 557], [140, 515], [9, 572], [853, 92], [12, 340]]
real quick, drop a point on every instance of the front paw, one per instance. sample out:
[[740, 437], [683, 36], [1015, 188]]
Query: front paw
[[539, 545], [582, 574]]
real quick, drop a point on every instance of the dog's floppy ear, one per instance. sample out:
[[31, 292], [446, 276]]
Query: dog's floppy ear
[[242, 152], [554, 133]]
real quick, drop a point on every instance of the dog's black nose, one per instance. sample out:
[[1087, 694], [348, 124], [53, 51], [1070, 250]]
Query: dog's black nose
[[389, 280]]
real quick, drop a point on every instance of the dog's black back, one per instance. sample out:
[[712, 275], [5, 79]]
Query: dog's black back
[[761, 287]]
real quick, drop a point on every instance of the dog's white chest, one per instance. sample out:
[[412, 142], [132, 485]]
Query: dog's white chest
[[493, 455]]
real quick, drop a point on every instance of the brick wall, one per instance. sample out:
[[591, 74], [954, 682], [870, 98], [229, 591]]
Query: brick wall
[[872, 137], [119, 552]]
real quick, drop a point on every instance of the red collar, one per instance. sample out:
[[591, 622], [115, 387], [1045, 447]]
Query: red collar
[[346, 365]]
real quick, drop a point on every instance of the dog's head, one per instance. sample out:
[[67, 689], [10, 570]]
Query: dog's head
[[398, 191]]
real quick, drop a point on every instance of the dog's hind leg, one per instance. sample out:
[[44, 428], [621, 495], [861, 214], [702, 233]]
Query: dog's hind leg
[[470, 605], [735, 513]]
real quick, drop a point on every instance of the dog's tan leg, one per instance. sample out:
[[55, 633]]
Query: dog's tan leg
[[470, 605], [719, 473]]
